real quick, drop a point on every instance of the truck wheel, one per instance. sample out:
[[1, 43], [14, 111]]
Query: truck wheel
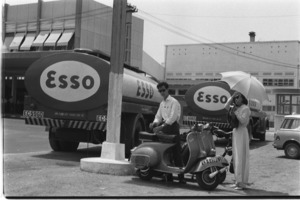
[[68, 146], [292, 150], [205, 182], [61, 145], [132, 125], [262, 137], [54, 143]]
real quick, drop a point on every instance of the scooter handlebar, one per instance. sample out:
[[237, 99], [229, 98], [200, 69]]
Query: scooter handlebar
[[220, 133]]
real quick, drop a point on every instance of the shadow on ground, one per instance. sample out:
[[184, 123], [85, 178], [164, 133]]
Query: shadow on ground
[[71, 156], [193, 187]]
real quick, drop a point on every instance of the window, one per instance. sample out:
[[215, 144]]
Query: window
[[295, 124], [171, 91], [278, 82], [288, 104], [268, 108], [291, 124], [182, 92]]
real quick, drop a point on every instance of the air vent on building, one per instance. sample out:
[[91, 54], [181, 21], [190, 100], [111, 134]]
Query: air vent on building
[[277, 73], [289, 73], [267, 73]]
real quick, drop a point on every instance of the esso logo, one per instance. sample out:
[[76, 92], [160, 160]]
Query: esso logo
[[211, 98], [70, 81]]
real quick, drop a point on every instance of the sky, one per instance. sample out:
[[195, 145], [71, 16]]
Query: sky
[[168, 22]]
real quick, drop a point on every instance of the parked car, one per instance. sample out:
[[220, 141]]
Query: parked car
[[287, 138]]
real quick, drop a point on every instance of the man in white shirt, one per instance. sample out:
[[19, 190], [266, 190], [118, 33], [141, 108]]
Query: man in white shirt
[[167, 121]]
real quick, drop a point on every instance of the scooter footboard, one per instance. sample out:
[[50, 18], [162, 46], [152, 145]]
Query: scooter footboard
[[218, 161]]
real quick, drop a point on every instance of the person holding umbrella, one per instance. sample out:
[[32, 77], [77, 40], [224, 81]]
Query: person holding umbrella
[[237, 103], [246, 87]]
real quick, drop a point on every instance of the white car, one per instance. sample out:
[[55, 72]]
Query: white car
[[287, 138]]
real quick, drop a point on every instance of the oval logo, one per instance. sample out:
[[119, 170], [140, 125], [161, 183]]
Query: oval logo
[[211, 98], [70, 81]]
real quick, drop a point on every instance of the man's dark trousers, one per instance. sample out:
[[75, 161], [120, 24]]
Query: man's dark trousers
[[174, 129]]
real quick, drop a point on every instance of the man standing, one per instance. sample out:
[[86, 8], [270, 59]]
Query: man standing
[[167, 121]]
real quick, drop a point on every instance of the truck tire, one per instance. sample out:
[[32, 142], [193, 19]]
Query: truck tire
[[132, 124], [54, 143], [262, 136], [61, 145], [68, 146]]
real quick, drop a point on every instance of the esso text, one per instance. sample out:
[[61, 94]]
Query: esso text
[[211, 98], [70, 81]]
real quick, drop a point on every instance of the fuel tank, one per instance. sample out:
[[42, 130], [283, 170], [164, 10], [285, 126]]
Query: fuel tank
[[79, 82]]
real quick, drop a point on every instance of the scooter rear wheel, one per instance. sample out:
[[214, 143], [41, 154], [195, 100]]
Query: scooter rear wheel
[[145, 173], [205, 182], [222, 177]]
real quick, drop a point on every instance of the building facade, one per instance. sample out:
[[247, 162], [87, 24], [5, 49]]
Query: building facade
[[274, 63], [30, 31]]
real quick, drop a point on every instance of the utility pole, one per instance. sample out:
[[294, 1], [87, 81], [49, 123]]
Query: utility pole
[[112, 160], [111, 148]]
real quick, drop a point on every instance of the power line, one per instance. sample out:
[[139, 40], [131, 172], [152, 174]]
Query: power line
[[253, 57], [96, 12], [225, 16], [218, 43]]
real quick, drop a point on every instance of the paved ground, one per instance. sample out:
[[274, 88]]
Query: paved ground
[[44, 173]]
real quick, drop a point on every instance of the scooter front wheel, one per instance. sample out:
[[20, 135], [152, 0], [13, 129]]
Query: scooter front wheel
[[145, 173], [205, 182]]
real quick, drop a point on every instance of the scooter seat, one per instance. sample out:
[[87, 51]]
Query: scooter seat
[[143, 135], [166, 138]]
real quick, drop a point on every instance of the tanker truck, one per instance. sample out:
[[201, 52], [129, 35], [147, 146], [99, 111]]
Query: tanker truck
[[68, 94], [205, 104]]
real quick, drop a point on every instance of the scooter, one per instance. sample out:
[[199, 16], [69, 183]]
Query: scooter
[[155, 159], [227, 150]]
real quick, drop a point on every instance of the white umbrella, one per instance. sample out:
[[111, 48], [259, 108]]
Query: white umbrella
[[246, 84]]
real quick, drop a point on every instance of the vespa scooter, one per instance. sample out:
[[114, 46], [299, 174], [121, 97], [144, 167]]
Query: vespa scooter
[[154, 158], [227, 149]]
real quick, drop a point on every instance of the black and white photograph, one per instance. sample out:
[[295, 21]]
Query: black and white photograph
[[150, 99]]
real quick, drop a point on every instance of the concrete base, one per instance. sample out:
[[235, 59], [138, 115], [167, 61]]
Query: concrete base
[[114, 151], [112, 161], [106, 166]]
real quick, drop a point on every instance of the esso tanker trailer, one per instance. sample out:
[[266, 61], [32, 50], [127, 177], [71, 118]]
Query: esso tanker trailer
[[68, 94], [205, 104]]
